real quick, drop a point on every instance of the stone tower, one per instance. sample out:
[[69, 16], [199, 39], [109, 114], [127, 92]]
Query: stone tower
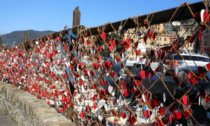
[[0, 41], [76, 17], [26, 37]]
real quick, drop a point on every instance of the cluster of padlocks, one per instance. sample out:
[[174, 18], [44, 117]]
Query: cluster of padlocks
[[72, 73]]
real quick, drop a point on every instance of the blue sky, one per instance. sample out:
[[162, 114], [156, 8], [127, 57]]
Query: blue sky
[[54, 15]]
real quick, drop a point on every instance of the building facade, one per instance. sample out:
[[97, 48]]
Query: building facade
[[161, 39], [205, 42]]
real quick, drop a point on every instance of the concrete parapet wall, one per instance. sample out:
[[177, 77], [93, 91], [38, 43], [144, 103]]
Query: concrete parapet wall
[[26, 110]]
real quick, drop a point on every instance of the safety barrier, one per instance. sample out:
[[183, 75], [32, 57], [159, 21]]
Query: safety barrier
[[87, 73]]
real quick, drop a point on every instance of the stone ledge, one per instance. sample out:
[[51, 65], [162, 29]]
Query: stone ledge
[[31, 110]]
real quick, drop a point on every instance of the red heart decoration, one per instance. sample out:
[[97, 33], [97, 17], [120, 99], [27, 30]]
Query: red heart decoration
[[206, 16], [128, 45], [88, 108], [138, 52], [82, 115], [100, 48], [87, 42], [124, 43], [111, 48], [143, 74], [103, 82], [118, 60], [94, 86], [68, 100], [131, 120], [33, 90], [80, 65], [72, 104], [196, 16], [159, 123], [155, 102], [112, 43], [108, 65], [81, 82], [208, 66], [65, 27], [58, 38], [99, 59], [64, 99], [66, 48], [190, 75], [95, 105], [112, 74], [193, 80], [65, 106], [91, 73], [103, 35], [61, 110], [186, 114], [43, 44], [150, 74], [207, 99], [151, 105], [123, 115], [162, 111], [126, 93], [171, 118], [128, 40], [177, 115], [150, 33], [185, 100], [96, 65], [147, 114], [94, 97], [138, 82]]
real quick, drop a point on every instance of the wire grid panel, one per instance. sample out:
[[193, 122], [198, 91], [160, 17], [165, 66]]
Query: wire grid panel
[[110, 78]]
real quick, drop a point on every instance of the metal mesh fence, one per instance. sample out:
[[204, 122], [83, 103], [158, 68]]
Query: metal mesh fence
[[140, 76]]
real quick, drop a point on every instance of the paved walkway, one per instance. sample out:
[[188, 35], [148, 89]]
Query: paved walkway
[[5, 120]]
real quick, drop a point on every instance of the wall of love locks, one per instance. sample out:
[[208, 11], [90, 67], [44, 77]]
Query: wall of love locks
[[89, 80]]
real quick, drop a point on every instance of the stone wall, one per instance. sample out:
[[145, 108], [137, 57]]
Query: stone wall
[[26, 110]]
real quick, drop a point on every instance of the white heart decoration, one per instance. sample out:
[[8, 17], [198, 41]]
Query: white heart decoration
[[164, 97], [201, 14], [199, 100], [100, 117], [80, 109], [143, 97], [110, 89]]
